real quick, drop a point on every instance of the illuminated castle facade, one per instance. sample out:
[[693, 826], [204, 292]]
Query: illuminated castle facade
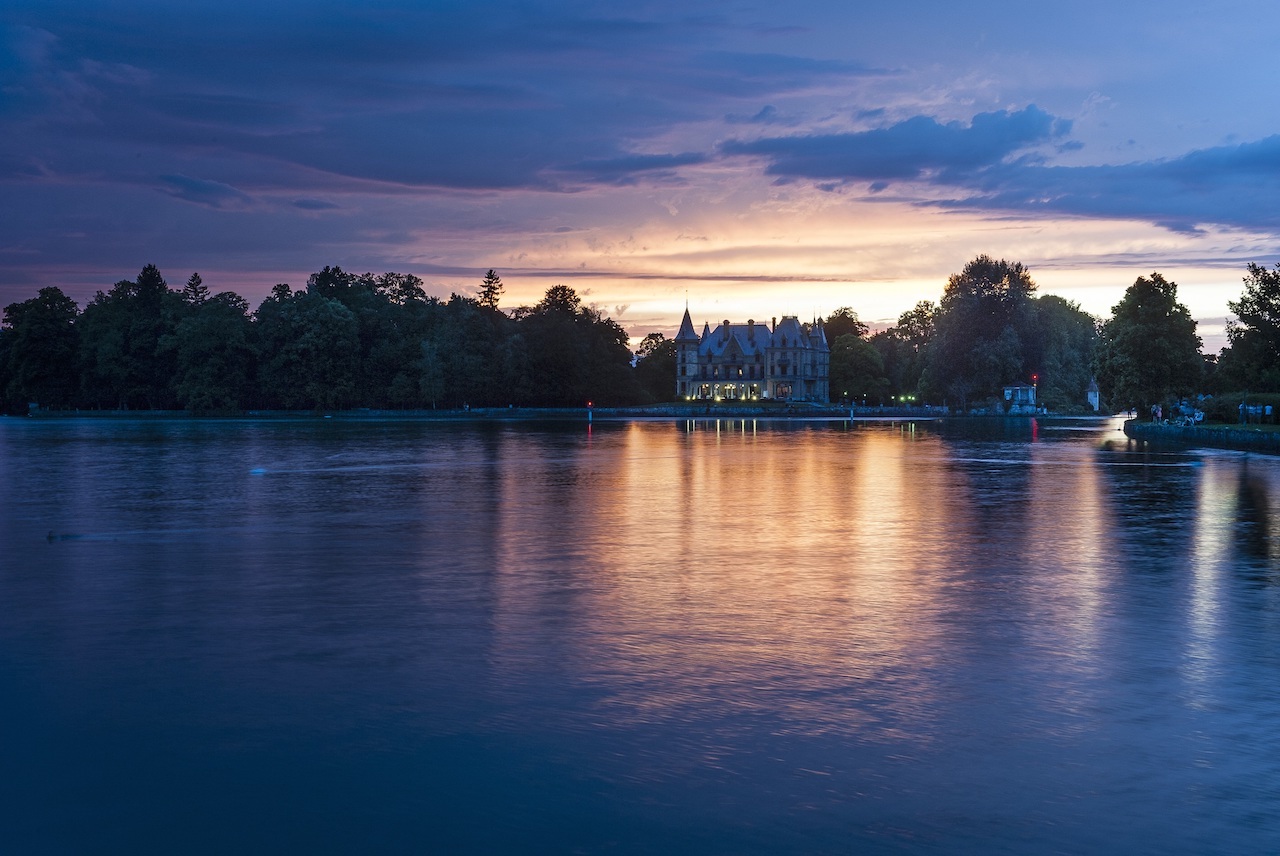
[[782, 361]]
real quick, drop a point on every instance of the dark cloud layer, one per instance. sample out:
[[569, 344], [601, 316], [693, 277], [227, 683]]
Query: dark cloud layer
[[292, 127], [916, 148], [1226, 185], [417, 94], [991, 164]]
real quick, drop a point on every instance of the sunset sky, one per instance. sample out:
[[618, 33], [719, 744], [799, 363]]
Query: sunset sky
[[755, 159]]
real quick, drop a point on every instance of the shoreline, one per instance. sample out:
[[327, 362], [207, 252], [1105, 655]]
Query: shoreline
[[1232, 439], [504, 414]]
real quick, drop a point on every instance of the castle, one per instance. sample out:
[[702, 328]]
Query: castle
[[786, 361]]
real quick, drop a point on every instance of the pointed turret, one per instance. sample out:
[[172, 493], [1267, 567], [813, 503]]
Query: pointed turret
[[686, 333], [819, 337]]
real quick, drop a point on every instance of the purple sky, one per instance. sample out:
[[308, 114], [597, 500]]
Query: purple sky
[[759, 160]]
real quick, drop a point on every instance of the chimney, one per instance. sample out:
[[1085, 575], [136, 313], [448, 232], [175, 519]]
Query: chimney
[[774, 326], [725, 336]]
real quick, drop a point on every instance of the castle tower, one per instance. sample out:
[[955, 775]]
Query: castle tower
[[686, 358]]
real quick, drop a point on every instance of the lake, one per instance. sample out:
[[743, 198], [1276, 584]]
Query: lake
[[668, 636]]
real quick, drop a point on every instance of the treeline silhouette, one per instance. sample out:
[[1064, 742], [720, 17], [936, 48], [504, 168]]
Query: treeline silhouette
[[345, 341], [379, 341]]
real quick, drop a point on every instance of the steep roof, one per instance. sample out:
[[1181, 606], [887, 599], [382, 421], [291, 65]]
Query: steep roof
[[790, 334], [687, 333], [748, 339]]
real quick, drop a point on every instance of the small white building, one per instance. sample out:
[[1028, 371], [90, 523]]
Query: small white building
[[1020, 398]]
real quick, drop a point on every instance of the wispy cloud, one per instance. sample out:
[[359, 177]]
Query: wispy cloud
[[199, 191]]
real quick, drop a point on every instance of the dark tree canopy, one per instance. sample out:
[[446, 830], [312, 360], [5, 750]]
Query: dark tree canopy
[[979, 331], [1252, 359], [120, 335], [656, 367], [857, 370], [1148, 351], [842, 322], [1061, 351], [561, 299], [346, 340], [380, 341], [984, 277], [214, 354], [39, 353]]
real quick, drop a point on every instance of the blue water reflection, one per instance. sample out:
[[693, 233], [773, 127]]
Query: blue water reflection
[[717, 636]]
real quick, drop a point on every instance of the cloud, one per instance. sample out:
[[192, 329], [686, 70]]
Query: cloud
[[917, 148], [626, 169], [314, 205], [992, 164], [1232, 186], [767, 115], [213, 194], [397, 92]]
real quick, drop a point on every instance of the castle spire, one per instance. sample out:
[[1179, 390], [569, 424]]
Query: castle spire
[[686, 333]]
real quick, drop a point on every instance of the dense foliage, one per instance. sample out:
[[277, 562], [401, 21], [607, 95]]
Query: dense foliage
[[1149, 351], [989, 330], [1251, 360], [344, 341], [380, 341]]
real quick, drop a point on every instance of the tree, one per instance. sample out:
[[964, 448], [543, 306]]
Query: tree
[[195, 292], [844, 321], [1006, 283], [1148, 351], [1062, 352], [916, 325], [560, 299], [120, 334], [310, 346], [40, 354], [985, 317], [490, 290], [401, 289], [857, 369], [656, 367], [430, 372], [985, 298], [1252, 359], [214, 354], [903, 348], [575, 353], [1259, 307]]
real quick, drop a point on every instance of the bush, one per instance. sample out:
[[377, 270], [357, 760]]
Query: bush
[[1226, 407]]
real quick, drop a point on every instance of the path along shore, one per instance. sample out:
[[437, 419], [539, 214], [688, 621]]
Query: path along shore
[[1239, 439]]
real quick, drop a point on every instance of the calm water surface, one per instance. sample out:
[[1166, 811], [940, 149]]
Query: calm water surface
[[648, 637]]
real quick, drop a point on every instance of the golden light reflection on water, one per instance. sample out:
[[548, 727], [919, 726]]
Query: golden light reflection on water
[[827, 577], [751, 569], [1068, 550]]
